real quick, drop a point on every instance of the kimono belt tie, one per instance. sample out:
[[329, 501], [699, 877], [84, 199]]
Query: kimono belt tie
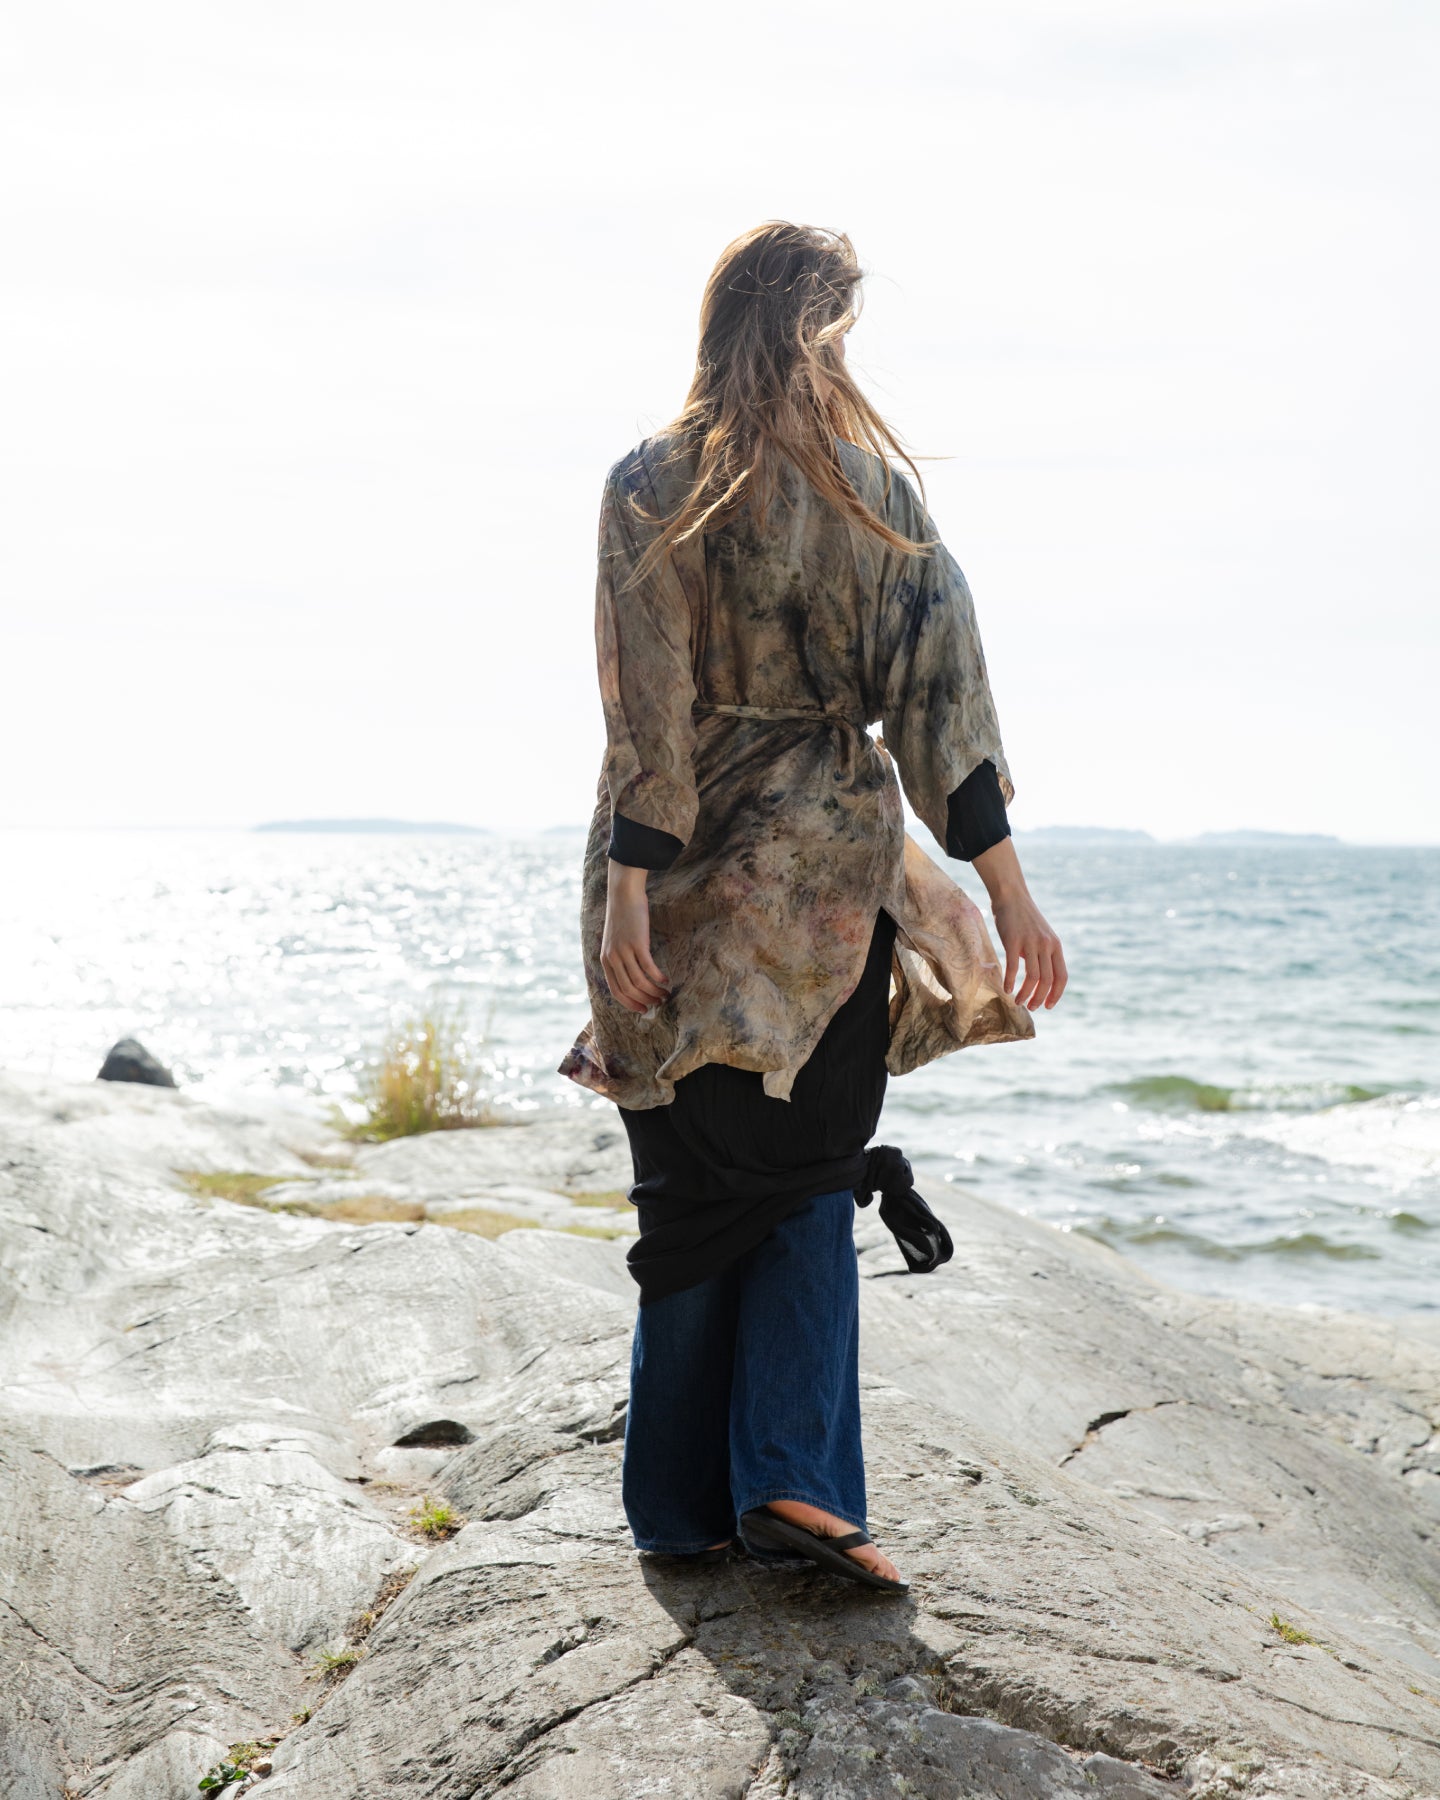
[[924, 1242], [820, 714]]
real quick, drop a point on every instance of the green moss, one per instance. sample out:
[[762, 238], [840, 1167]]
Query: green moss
[[1292, 1634]]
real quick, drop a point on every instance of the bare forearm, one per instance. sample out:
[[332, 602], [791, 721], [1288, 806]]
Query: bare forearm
[[999, 868], [624, 882], [634, 978], [1022, 929]]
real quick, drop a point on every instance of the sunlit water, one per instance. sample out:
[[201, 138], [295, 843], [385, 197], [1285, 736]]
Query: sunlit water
[[1241, 1088]]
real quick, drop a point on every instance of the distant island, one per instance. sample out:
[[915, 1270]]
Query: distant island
[[1085, 834], [1240, 838], [1219, 840], [409, 826]]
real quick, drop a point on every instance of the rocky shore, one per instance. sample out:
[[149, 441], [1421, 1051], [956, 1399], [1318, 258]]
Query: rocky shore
[[317, 1496]]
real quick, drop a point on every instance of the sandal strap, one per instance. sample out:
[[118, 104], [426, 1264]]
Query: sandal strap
[[850, 1541]]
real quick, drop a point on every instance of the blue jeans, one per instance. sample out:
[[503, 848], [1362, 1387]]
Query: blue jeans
[[746, 1388]]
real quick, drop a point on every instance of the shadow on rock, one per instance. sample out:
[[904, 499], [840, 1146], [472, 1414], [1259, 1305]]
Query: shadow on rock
[[857, 1692]]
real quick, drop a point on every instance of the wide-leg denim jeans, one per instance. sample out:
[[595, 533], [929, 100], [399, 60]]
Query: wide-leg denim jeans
[[745, 1388]]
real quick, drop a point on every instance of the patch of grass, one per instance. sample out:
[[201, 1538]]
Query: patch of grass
[[330, 1159], [365, 1209], [329, 1665], [423, 1080], [595, 1197], [239, 1761], [1292, 1634], [483, 1221], [242, 1186], [595, 1231], [435, 1518], [390, 1590]]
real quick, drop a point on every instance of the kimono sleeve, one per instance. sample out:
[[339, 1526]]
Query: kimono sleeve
[[642, 643], [939, 715]]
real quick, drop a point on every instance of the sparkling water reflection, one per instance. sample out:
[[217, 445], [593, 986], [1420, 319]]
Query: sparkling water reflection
[[1241, 1088]]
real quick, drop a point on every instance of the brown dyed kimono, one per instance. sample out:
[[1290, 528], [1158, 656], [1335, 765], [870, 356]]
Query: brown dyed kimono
[[737, 684]]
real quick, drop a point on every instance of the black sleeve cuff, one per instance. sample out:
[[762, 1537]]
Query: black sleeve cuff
[[641, 846], [975, 814]]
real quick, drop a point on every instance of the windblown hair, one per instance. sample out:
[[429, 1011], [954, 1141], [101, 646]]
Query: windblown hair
[[771, 385]]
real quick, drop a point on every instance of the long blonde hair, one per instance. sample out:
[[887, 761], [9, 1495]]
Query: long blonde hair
[[771, 385]]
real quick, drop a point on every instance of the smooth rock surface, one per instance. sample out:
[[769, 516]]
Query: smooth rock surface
[[1158, 1545]]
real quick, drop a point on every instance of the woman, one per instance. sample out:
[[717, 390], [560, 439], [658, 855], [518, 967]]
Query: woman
[[768, 586]]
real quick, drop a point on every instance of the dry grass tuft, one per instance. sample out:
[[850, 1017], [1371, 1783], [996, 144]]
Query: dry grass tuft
[[484, 1221], [365, 1209], [423, 1080], [330, 1665], [1292, 1634], [435, 1518], [243, 1187], [391, 1588], [593, 1197]]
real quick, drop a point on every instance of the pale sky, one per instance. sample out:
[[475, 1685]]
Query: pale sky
[[322, 323]]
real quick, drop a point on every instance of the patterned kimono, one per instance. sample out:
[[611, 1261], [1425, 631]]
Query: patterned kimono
[[738, 681]]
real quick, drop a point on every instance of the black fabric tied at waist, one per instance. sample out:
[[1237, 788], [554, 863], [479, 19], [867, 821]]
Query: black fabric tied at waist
[[924, 1242]]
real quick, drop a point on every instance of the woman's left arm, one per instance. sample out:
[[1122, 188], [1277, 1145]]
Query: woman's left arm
[[939, 714], [941, 726]]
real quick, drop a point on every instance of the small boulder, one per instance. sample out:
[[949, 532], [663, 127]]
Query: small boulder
[[131, 1061]]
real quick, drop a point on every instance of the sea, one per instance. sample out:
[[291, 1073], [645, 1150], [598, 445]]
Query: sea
[[1240, 1089]]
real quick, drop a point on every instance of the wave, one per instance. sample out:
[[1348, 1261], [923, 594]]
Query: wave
[[1120, 1234], [1180, 1093], [1151, 1233], [1395, 1134]]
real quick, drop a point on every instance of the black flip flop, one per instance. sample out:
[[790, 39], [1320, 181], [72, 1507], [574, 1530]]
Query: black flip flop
[[828, 1553]]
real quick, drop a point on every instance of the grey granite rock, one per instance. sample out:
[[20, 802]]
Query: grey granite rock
[[129, 1060], [1158, 1545]]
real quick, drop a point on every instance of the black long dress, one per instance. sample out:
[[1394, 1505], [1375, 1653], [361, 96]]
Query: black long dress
[[719, 1168]]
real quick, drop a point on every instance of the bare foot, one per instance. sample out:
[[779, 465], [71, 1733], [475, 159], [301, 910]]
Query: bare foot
[[798, 1513]]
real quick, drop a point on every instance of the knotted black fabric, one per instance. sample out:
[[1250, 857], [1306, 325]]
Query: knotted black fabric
[[924, 1242], [718, 1169]]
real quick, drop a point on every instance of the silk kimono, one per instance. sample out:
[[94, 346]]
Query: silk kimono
[[738, 682]]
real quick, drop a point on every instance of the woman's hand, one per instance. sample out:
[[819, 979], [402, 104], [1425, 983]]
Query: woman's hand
[[633, 977], [1022, 928]]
